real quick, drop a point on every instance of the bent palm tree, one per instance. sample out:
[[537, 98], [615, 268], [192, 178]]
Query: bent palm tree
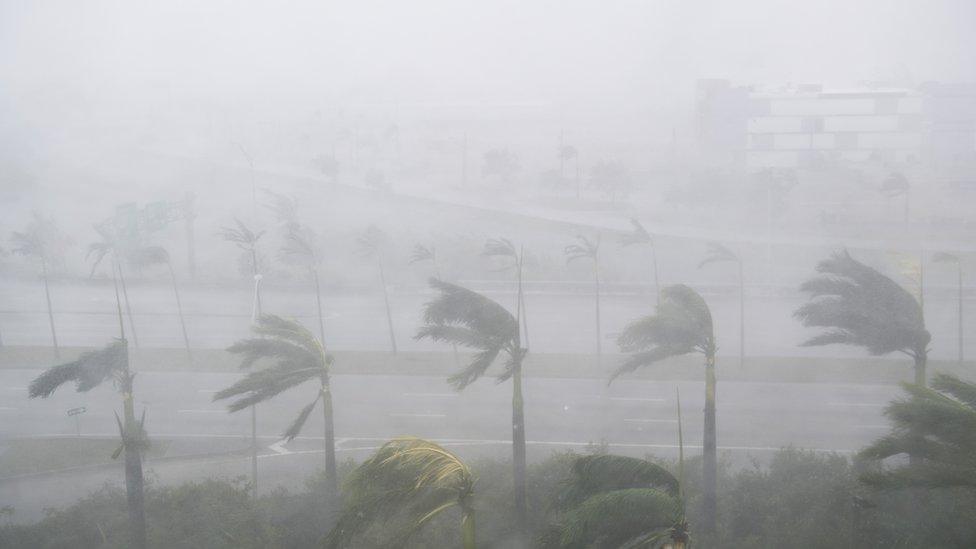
[[617, 501], [300, 357], [859, 306], [421, 254], [463, 317], [90, 370], [503, 247], [640, 236], [40, 240], [682, 324], [110, 244], [371, 244], [589, 249], [411, 476], [943, 257], [936, 425], [719, 253]]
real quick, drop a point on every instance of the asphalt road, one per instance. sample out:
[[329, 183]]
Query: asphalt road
[[635, 417]]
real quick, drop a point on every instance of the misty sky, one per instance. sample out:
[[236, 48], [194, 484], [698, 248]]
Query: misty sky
[[66, 56]]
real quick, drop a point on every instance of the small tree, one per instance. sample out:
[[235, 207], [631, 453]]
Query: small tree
[[589, 249], [859, 306], [372, 244], [406, 476], [42, 240], [719, 253]]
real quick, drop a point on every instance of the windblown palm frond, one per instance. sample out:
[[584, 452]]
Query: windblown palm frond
[[862, 307], [284, 208], [300, 245], [594, 474], [372, 241], [638, 235], [717, 252], [469, 319], [585, 249], [241, 235], [682, 324], [422, 253], [499, 247], [632, 517], [298, 356], [408, 476], [42, 238], [937, 426], [87, 372]]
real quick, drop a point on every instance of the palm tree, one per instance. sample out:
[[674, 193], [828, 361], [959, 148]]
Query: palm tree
[[589, 249], [411, 476], [421, 254], [299, 357], [639, 235], [371, 244], [503, 247], [463, 317], [41, 240], [90, 370], [718, 253], [943, 257], [97, 251], [247, 240], [682, 324], [617, 501], [859, 306], [936, 425], [153, 255]]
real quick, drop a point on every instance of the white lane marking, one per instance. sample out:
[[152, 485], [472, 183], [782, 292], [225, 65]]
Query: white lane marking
[[857, 404], [431, 395], [201, 412], [279, 448], [419, 415], [638, 420], [638, 399]]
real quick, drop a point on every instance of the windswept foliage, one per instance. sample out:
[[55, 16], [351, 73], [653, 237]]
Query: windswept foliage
[[469, 319], [936, 425], [638, 235], [87, 372], [681, 325], [615, 501], [406, 476], [859, 306], [717, 253]]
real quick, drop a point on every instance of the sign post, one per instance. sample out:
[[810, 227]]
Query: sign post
[[76, 412]]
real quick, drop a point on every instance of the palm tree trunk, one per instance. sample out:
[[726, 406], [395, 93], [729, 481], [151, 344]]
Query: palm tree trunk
[[921, 360], [318, 304], [467, 528], [596, 278], [742, 316], [50, 311], [386, 300], [709, 449], [179, 310], [518, 449], [128, 308], [331, 476], [254, 450], [522, 318]]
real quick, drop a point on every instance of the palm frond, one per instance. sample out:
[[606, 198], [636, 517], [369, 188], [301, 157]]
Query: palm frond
[[276, 327], [87, 372], [638, 235], [283, 207], [241, 235], [148, 255], [406, 475], [594, 474], [296, 426], [262, 385], [586, 248], [500, 247], [422, 253], [372, 241], [610, 519], [717, 252], [300, 245], [860, 306], [475, 369]]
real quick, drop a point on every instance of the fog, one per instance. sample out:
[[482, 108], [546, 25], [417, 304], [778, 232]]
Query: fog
[[623, 273]]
